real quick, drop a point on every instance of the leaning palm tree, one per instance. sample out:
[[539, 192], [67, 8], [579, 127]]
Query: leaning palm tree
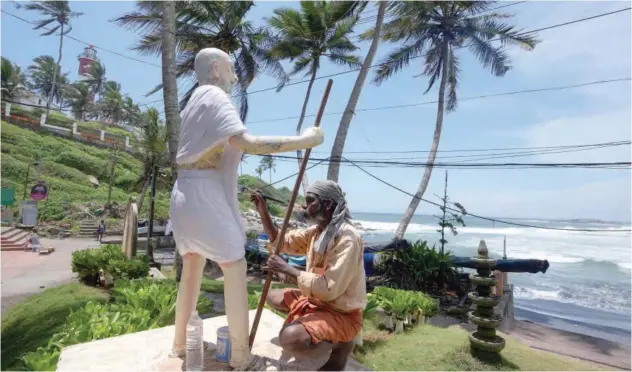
[[319, 29], [345, 121], [59, 12], [203, 24], [13, 79], [45, 77], [435, 31]]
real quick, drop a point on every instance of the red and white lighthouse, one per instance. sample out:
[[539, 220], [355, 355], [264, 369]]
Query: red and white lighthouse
[[86, 59]]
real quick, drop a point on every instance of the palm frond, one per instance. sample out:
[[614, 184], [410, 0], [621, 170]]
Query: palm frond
[[452, 80], [398, 59], [493, 57]]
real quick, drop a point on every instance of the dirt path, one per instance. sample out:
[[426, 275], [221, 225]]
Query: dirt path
[[26, 273]]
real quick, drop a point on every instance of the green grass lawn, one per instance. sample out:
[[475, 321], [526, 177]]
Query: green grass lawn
[[31, 323], [429, 348]]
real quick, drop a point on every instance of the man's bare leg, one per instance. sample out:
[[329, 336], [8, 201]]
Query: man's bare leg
[[295, 338], [188, 292], [275, 299]]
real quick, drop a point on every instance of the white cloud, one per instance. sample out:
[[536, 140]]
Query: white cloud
[[580, 130], [606, 199], [599, 47]]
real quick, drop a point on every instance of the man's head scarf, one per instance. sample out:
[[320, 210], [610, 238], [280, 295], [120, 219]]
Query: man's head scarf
[[330, 190]]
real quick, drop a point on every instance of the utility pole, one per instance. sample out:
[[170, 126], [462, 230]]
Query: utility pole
[[150, 228]]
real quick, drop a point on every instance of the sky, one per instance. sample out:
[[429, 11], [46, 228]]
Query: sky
[[593, 50]]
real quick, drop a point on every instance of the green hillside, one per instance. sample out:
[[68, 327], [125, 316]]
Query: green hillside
[[66, 167]]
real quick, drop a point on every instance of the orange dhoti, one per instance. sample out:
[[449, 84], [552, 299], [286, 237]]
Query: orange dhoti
[[321, 321]]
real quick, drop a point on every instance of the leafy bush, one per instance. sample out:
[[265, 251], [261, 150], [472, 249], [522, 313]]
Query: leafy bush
[[136, 306], [112, 260], [417, 268]]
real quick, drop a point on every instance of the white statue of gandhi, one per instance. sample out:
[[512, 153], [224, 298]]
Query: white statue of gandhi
[[204, 207]]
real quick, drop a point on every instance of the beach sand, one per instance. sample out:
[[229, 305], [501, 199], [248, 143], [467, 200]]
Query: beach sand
[[587, 348]]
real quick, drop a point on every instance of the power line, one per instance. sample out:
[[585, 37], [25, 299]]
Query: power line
[[484, 150], [466, 165], [460, 99], [479, 216], [386, 63], [84, 42]]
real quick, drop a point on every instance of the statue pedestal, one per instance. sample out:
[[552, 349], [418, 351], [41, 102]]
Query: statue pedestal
[[149, 350]]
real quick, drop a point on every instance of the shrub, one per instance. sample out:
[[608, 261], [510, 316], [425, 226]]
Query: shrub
[[136, 306], [109, 258], [417, 268]]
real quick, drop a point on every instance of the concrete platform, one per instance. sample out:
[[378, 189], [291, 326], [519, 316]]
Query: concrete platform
[[149, 350]]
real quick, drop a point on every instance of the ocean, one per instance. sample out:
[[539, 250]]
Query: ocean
[[586, 289]]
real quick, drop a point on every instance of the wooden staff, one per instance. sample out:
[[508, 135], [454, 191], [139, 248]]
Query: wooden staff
[[288, 214]]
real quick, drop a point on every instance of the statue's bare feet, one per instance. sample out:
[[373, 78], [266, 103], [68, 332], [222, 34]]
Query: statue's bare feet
[[254, 363], [178, 351]]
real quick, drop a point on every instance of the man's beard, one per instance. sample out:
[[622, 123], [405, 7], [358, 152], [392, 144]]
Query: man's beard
[[314, 220], [226, 86]]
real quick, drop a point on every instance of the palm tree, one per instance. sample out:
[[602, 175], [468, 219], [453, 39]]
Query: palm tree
[[131, 112], [170, 94], [268, 163], [435, 31], [244, 156], [319, 29], [203, 24], [343, 128], [152, 146], [13, 80], [95, 77], [46, 78], [54, 11], [79, 96], [111, 105]]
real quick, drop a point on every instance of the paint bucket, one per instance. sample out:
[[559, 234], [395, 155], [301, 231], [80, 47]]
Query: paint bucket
[[222, 354]]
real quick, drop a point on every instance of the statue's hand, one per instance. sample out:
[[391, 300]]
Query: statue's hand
[[313, 136]]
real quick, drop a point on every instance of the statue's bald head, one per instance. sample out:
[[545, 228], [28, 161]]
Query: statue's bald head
[[214, 67]]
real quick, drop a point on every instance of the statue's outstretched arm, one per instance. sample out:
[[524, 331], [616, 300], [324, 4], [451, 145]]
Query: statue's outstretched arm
[[260, 145]]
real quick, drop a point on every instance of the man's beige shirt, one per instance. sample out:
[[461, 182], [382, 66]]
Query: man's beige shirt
[[336, 278]]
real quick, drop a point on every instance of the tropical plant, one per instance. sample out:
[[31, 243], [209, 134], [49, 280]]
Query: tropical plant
[[452, 215], [152, 146], [418, 268], [319, 29], [435, 31], [95, 78], [345, 121], [46, 78], [79, 97], [259, 170], [59, 12], [12, 78], [201, 24], [268, 163]]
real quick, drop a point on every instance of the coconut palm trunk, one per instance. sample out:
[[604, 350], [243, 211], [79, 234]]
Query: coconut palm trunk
[[170, 88], [414, 203], [343, 128], [299, 126], [170, 95], [52, 88]]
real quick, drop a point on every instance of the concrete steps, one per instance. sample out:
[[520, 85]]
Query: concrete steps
[[88, 229], [13, 239]]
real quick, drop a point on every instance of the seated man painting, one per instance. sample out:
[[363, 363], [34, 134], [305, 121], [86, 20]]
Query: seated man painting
[[326, 309]]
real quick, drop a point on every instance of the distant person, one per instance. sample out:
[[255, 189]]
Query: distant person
[[100, 231], [327, 307]]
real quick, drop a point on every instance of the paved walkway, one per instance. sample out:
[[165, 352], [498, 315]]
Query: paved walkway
[[26, 273]]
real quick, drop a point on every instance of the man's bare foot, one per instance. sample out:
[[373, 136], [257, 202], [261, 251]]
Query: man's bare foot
[[338, 358], [178, 351], [255, 363]]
